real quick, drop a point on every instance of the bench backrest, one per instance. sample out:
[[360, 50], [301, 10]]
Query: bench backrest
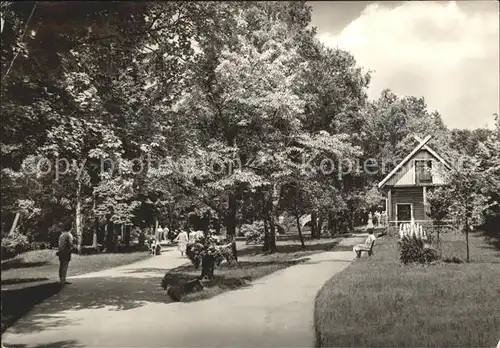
[[371, 247]]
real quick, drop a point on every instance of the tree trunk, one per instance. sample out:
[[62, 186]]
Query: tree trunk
[[217, 226], [126, 240], [330, 224], [231, 224], [171, 218], [266, 247], [156, 229], [297, 219], [108, 239], [274, 201], [207, 267], [78, 222], [115, 239], [269, 226], [350, 221], [272, 235], [314, 225], [206, 223]]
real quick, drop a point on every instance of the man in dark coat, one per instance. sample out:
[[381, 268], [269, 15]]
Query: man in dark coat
[[64, 253]]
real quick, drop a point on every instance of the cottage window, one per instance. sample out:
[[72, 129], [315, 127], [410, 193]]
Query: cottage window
[[423, 174]]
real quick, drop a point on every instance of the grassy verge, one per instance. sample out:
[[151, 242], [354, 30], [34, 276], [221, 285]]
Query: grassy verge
[[377, 302], [253, 265], [43, 265]]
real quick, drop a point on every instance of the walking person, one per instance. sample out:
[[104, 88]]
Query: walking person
[[65, 248], [383, 218], [182, 239], [370, 221]]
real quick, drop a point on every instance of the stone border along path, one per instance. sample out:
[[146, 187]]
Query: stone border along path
[[274, 311]]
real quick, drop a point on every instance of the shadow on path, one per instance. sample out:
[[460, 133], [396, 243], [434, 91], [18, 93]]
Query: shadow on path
[[59, 344], [116, 294], [20, 263], [296, 247], [22, 280]]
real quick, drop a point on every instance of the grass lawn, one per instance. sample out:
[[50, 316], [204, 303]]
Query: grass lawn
[[40, 265], [377, 302], [253, 265]]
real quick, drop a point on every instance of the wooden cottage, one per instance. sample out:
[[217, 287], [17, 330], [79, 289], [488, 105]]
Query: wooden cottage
[[406, 185]]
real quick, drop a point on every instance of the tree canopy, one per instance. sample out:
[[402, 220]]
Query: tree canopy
[[127, 113]]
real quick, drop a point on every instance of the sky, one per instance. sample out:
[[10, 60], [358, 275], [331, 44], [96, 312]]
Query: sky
[[445, 51]]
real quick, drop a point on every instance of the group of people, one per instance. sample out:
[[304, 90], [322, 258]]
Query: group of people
[[182, 239], [377, 219], [185, 237]]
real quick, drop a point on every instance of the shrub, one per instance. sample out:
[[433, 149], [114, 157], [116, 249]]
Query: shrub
[[453, 259], [13, 244], [256, 228], [39, 246], [196, 250], [253, 232], [415, 245]]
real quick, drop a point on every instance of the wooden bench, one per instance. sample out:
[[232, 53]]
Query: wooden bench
[[369, 251]]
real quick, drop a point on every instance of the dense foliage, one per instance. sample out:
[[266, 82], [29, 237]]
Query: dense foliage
[[193, 114]]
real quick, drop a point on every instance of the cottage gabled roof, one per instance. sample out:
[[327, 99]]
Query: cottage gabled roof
[[433, 153], [422, 145]]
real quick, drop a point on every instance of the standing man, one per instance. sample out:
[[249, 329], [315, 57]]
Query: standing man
[[376, 220], [64, 253]]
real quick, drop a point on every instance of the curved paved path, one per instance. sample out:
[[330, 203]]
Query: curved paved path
[[125, 307]]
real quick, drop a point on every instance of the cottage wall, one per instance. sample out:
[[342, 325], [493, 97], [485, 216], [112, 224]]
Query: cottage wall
[[412, 195]]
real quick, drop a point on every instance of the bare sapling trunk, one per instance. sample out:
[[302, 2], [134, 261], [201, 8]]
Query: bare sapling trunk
[[14, 224], [297, 219], [78, 222], [468, 217], [438, 242], [467, 239], [156, 229]]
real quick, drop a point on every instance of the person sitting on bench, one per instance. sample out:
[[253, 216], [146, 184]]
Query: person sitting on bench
[[366, 246]]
